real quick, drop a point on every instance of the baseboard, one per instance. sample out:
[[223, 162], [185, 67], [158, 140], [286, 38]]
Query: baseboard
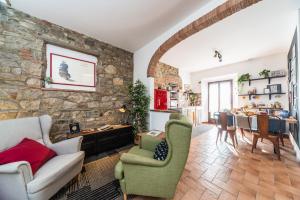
[[296, 148]]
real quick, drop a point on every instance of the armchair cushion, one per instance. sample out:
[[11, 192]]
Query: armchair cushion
[[72, 145], [28, 150], [141, 152], [133, 159], [139, 156], [54, 170]]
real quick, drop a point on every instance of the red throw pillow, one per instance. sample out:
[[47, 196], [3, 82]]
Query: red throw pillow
[[28, 150]]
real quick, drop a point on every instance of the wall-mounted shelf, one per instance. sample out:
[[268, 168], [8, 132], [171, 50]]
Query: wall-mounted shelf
[[267, 78], [270, 95]]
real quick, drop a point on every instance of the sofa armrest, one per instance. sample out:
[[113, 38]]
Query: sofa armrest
[[68, 146], [128, 158], [14, 178], [149, 142], [22, 168]]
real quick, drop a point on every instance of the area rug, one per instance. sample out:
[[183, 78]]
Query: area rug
[[202, 128], [96, 182]]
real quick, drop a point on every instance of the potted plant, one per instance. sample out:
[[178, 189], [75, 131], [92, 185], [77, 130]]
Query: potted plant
[[139, 101], [243, 77], [264, 73]]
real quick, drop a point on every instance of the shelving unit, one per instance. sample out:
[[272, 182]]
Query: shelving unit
[[267, 78], [174, 94], [263, 94], [270, 95]]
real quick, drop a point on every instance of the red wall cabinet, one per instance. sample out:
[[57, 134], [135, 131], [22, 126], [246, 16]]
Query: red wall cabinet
[[160, 99]]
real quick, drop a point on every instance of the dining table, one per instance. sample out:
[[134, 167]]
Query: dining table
[[276, 124]]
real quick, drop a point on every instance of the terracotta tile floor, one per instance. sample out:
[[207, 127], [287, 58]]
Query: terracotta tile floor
[[221, 172]]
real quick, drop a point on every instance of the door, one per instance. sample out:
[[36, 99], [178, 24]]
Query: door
[[293, 87], [219, 97]]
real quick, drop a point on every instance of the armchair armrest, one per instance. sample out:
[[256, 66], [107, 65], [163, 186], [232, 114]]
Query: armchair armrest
[[149, 142], [128, 158], [22, 168], [68, 146]]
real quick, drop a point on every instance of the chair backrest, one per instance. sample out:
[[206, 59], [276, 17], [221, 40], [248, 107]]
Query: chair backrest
[[243, 122], [263, 125], [223, 120], [178, 136], [14, 130], [175, 116]]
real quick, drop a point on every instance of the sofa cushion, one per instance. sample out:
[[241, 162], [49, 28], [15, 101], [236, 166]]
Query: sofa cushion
[[28, 150], [161, 151], [53, 170]]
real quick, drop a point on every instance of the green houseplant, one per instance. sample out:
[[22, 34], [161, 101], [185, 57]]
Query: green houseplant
[[139, 103], [243, 77], [264, 73]]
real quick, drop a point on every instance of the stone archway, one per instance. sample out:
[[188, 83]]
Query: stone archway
[[226, 9]]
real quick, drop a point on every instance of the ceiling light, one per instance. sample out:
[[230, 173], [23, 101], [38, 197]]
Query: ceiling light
[[218, 55]]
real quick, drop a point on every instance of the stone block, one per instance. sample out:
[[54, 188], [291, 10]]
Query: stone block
[[8, 105], [33, 82], [30, 105], [8, 115], [110, 69], [69, 105], [118, 81]]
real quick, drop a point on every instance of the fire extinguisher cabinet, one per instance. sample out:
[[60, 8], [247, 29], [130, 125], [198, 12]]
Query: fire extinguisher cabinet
[[160, 99]]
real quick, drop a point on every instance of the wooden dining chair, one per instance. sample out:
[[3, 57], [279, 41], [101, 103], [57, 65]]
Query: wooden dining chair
[[277, 126], [223, 126], [263, 132], [243, 123]]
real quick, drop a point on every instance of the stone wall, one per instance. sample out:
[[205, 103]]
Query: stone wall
[[165, 74], [23, 64]]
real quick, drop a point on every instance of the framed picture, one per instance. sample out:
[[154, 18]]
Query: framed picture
[[266, 91], [275, 88], [70, 70], [74, 128]]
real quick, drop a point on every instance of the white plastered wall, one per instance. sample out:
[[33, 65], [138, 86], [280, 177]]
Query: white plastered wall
[[232, 71]]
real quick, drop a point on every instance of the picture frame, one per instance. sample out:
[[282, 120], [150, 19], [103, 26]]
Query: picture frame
[[74, 128], [274, 88], [266, 91], [70, 70]]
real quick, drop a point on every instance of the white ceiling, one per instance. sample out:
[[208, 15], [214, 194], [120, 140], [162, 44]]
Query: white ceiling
[[129, 24], [263, 29]]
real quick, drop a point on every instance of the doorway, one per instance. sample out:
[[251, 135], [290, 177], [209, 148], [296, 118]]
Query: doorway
[[219, 97]]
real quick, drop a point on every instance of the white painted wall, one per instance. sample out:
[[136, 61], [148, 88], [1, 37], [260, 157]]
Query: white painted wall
[[142, 56], [158, 120], [185, 77], [253, 66], [203, 88]]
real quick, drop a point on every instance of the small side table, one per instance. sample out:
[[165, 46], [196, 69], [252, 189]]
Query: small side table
[[138, 137]]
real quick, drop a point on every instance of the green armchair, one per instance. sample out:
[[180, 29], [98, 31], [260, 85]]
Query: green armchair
[[140, 174]]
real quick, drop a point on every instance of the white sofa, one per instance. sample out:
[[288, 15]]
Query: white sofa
[[16, 179]]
